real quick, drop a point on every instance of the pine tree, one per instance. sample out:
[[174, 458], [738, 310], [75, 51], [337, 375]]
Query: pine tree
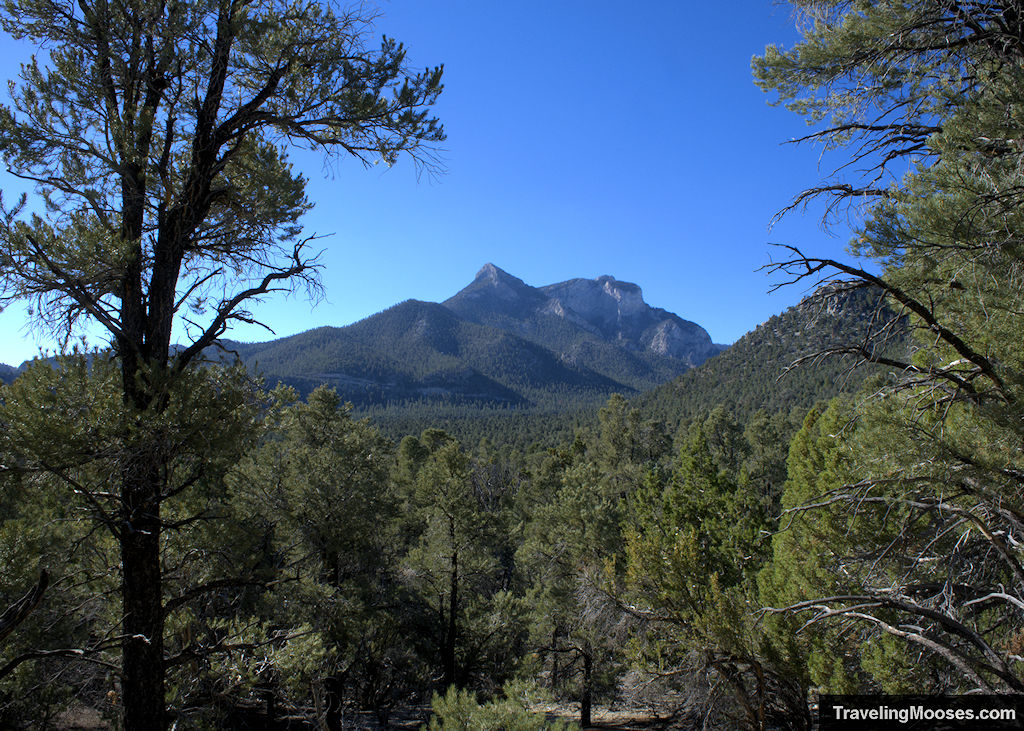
[[938, 87], [155, 134]]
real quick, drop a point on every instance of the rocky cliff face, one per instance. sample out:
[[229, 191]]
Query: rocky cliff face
[[605, 308]]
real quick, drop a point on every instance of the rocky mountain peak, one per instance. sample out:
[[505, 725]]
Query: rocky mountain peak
[[490, 272], [495, 276], [605, 302], [611, 285], [605, 308], [494, 290]]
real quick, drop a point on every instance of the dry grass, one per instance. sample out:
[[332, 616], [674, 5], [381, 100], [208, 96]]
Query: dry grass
[[610, 719], [82, 718]]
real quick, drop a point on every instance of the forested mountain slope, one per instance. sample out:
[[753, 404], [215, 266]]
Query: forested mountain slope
[[773, 368], [421, 350], [8, 373], [757, 371], [497, 343]]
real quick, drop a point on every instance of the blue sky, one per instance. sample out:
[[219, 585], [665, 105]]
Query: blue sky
[[584, 138]]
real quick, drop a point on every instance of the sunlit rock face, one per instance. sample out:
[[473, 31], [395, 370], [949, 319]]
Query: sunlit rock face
[[611, 310], [605, 303], [491, 281], [617, 310], [680, 339]]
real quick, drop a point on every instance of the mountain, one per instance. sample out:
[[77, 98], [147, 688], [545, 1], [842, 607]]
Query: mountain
[[504, 346], [757, 371], [563, 316], [497, 342], [8, 373]]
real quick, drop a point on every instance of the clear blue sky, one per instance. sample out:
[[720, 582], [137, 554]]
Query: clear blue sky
[[584, 138]]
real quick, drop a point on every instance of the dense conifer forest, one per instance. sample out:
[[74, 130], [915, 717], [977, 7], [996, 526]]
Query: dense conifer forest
[[183, 545]]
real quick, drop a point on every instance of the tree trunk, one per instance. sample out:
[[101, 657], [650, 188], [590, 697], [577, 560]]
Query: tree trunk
[[453, 626], [334, 690], [142, 593], [586, 698], [554, 662], [19, 611]]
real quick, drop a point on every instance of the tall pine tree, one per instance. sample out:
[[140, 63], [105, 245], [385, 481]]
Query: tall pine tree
[[155, 134]]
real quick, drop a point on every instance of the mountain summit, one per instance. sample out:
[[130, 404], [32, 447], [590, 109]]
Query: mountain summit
[[494, 289], [490, 275], [605, 309], [498, 341]]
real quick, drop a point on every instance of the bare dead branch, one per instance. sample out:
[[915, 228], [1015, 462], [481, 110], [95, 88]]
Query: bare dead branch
[[21, 609]]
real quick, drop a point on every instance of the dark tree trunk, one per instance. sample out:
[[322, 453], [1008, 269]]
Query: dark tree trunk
[[271, 699], [19, 611], [555, 681], [586, 698], [139, 535], [143, 651], [333, 690], [453, 626]]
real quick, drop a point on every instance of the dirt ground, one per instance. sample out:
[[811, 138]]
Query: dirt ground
[[88, 719], [610, 719]]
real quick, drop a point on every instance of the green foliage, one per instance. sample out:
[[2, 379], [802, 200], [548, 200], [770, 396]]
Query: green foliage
[[694, 540], [327, 573], [259, 661], [921, 530], [573, 547], [65, 432], [456, 565], [153, 134], [314, 504], [458, 710], [756, 372], [807, 551]]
